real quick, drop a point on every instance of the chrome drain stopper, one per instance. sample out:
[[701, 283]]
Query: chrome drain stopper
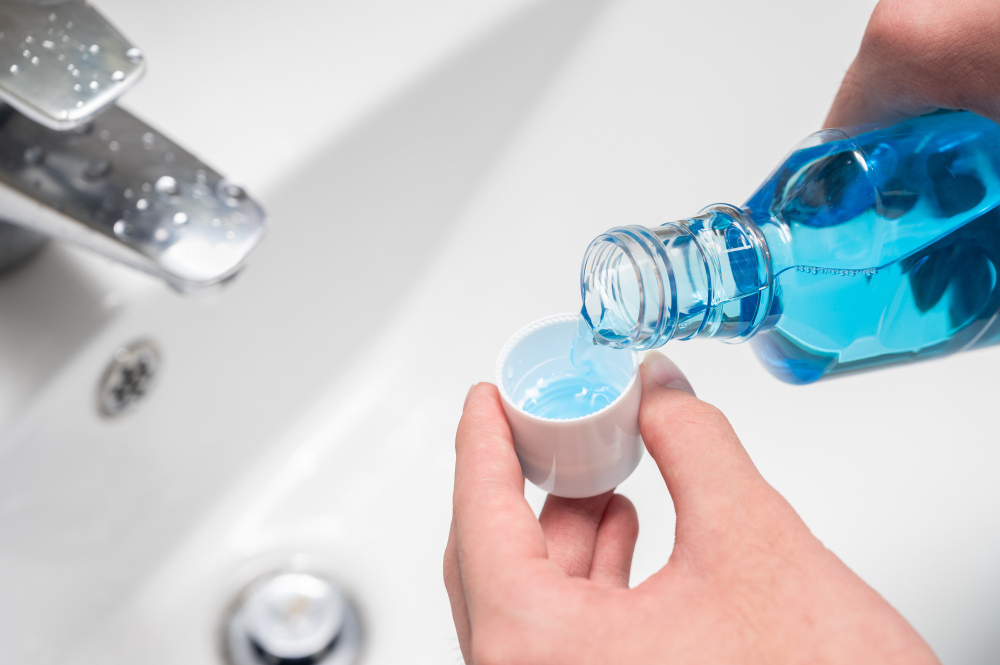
[[293, 619]]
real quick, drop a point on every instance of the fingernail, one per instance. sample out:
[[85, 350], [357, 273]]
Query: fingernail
[[662, 370], [468, 396]]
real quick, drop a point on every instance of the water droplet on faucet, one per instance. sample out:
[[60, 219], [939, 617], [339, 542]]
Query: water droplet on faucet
[[167, 186], [141, 204], [180, 219], [14, 69], [96, 168], [94, 85], [134, 54], [118, 75], [122, 228], [49, 44], [94, 49], [231, 190]]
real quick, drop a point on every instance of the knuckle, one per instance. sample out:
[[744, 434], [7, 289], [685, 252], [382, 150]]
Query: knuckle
[[898, 23], [920, 33], [890, 29], [933, 53], [627, 513], [701, 415], [624, 504]]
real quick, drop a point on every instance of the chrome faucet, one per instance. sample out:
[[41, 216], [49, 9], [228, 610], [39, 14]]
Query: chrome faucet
[[74, 166]]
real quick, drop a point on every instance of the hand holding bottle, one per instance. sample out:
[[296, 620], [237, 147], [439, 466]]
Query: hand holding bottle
[[873, 244], [747, 581], [918, 56]]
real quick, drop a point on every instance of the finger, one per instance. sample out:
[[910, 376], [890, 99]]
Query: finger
[[699, 456], [616, 536], [920, 55], [570, 528], [456, 594], [495, 527]]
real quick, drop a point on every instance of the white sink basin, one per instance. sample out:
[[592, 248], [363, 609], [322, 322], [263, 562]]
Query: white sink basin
[[433, 172]]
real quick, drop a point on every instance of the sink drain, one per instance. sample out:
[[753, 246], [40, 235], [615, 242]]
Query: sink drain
[[128, 378], [292, 619]]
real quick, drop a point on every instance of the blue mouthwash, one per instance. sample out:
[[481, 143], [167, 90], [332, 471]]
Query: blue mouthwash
[[573, 386], [866, 246]]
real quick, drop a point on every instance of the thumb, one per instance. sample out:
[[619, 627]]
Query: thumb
[[705, 466]]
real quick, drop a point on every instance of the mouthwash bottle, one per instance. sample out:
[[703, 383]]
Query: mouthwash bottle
[[866, 246]]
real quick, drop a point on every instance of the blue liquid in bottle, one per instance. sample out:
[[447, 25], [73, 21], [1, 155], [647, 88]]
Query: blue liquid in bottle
[[866, 246], [577, 385]]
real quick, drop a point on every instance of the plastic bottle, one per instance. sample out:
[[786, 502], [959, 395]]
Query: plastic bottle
[[866, 246]]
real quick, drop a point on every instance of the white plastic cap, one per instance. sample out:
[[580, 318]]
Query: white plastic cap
[[572, 457]]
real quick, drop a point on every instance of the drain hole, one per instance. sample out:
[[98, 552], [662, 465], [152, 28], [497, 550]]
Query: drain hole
[[128, 378]]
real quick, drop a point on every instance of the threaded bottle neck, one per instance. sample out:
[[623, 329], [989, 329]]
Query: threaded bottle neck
[[707, 276]]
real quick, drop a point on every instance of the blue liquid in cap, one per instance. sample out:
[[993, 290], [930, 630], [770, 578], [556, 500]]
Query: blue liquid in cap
[[584, 385]]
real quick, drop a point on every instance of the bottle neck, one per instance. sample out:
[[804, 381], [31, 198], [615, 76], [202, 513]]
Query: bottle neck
[[707, 276]]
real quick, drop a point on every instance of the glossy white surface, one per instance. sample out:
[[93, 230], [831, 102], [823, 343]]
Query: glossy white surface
[[434, 171]]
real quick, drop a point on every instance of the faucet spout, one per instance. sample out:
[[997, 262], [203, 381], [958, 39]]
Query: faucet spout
[[62, 61], [74, 166], [120, 188]]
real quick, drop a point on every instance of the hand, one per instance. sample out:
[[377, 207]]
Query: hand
[[746, 583], [921, 55]]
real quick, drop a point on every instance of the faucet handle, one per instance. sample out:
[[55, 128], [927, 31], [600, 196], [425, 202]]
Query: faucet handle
[[62, 62]]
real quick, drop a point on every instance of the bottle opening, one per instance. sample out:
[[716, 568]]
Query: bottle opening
[[626, 302], [696, 277]]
